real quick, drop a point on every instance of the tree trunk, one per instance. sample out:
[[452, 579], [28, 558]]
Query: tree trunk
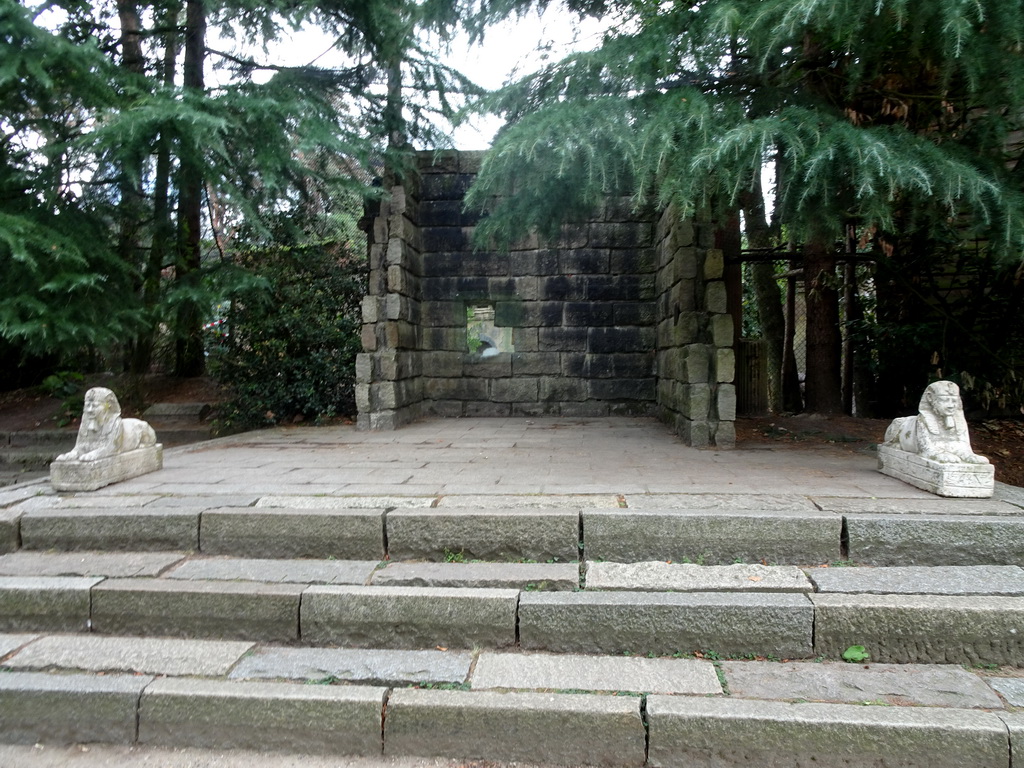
[[190, 359], [823, 386], [131, 207], [767, 296]]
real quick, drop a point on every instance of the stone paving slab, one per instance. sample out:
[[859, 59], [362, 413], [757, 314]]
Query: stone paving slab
[[665, 623], [746, 502], [45, 603], [11, 642], [711, 537], [96, 501], [263, 716], [339, 501], [355, 665], [274, 571], [409, 617], [345, 534], [215, 609], [1015, 726], [927, 685], [931, 506], [529, 576], [66, 709], [934, 629], [562, 729], [135, 530], [705, 732], [1011, 689], [935, 540], [148, 655], [993, 580], [594, 673], [530, 501], [110, 564], [683, 577], [487, 534]]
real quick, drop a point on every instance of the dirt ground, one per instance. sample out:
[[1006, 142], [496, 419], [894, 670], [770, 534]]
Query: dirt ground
[[1001, 440]]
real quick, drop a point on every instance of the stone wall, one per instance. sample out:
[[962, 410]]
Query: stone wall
[[696, 363], [612, 318]]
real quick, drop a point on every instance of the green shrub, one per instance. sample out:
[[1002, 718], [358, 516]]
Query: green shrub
[[287, 351]]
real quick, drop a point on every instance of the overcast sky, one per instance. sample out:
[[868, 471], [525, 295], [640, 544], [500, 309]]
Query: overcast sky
[[514, 48]]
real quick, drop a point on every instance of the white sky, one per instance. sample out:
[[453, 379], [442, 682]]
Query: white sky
[[515, 48]]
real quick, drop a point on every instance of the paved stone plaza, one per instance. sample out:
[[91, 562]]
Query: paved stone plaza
[[544, 591]]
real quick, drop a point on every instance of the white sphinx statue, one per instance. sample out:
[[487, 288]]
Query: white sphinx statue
[[933, 449], [109, 448]]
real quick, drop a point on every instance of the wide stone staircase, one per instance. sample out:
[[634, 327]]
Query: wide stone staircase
[[618, 630]]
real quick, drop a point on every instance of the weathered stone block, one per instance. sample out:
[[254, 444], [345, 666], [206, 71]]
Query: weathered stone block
[[214, 714], [961, 480], [725, 365], [705, 536], [922, 628], [221, 609], [991, 580], [727, 402], [45, 603], [499, 366], [714, 264], [715, 299], [697, 362], [722, 331], [557, 389], [533, 262], [562, 288], [664, 623], [455, 389], [621, 235], [498, 534], [487, 410], [570, 729], [659, 576], [139, 530], [724, 435], [10, 524], [345, 534], [518, 390], [622, 389], [935, 539], [536, 364], [409, 617], [583, 261], [37, 707], [928, 685], [73, 475], [562, 339], [541, 671], [706, 732], [532, 576]]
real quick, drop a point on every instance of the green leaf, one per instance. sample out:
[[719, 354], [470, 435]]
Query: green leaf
[[856, 654]]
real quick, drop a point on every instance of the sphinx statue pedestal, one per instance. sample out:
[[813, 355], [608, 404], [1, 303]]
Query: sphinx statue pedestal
[[962, 481], [72, 475]]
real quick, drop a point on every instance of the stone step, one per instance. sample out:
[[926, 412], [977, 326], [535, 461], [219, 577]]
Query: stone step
[[702, 537], [503, 706], [966, 628]]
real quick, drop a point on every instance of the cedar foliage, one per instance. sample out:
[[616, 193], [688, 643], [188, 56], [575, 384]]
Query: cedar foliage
[[900, 117]]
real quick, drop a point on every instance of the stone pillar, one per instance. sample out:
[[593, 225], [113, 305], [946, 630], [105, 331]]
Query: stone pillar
[[389, 390], [696, 361]]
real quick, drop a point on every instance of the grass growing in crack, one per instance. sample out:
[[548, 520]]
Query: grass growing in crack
[[454, 557]]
